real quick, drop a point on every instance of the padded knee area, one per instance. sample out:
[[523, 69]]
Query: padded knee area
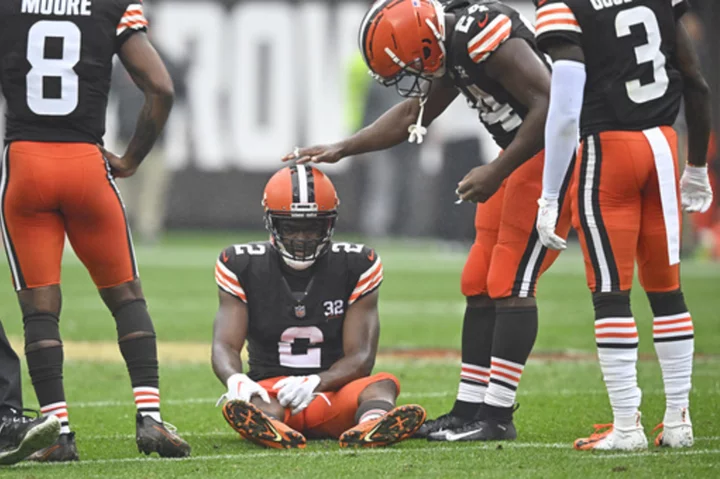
[[503, 272], [610, 305], [42, 330], [133, 321], [475, 272]]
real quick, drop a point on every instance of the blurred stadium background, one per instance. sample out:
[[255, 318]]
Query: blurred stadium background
[[254, 79]]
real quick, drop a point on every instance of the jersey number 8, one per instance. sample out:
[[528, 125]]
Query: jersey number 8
[[649, 52], [46, 68]]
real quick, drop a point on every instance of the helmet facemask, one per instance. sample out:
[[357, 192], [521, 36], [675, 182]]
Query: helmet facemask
[[301, 237]]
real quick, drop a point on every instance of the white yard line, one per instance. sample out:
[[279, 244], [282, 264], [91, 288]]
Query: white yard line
[[297, 455]]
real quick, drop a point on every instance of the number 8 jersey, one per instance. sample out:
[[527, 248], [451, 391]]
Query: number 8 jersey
[[632, 84], [295, 319], [55, 65]]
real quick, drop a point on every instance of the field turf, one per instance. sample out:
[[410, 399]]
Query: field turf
[[561, 394]]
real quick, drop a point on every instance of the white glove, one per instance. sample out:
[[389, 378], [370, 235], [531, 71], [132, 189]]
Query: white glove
[[696, 195], [546, 221], [296, 392], [243, 388]]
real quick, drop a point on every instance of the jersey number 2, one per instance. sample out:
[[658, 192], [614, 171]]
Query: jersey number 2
[[311, 359], [649, 52], [53, 68]]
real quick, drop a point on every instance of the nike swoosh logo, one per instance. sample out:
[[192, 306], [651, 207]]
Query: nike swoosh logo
[[456, 437], [225, 257], [540, 3], [278, 437], [484, 22], [368, 436]]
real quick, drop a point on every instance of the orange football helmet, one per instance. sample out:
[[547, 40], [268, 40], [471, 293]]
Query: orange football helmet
[[300, 205], [403, 44]]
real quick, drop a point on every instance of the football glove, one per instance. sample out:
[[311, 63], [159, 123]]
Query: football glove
[[243, 388], [297, 392], [696, 194], [546, 221]]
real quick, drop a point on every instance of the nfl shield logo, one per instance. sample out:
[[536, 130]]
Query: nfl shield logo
[[299, 311]]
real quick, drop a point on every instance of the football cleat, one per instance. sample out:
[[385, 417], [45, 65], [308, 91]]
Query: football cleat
[[677, 430], [440, 425], [256, 426], [394, 426], [63, 450], [21, 436], [152, 436], [609, 438]]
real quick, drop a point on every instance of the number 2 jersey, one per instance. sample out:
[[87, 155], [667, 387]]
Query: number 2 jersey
[[629, 45], [296, 318], [482, 27], [55, 65]]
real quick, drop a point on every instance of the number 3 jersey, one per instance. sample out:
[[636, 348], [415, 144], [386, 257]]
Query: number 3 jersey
[[629, 45], [482, 27], [296, 318], [55, 65]]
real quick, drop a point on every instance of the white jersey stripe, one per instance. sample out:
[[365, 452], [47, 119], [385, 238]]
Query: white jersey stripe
[[667, 181], [588, 194]]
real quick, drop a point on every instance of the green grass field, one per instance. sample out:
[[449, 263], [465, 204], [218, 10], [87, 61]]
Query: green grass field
[[561, 395]]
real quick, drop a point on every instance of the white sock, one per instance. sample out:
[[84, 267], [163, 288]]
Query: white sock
[[504, 380], [473, 383], [59, 410], [675, 345], [147, 401], [617, 342]]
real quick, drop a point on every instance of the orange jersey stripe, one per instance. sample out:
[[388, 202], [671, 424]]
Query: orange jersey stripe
[[506, 376], [672, 330], [615, 325], [129, 24], [227, 278], [616, 335], [554, 10], [509, 368], [489, 35], [673, 321], [563, 21]]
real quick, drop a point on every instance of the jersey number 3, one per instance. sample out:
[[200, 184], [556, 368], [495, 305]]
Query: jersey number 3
[[649, 52], [60, 69]]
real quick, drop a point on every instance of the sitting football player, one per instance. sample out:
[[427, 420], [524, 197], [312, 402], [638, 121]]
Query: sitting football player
[[308, 308]]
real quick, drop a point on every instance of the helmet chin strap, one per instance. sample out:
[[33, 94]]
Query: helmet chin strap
[[296, 264], [418, 131]]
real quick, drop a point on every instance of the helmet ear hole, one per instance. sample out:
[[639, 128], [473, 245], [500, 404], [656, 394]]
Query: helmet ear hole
[[426, 52]]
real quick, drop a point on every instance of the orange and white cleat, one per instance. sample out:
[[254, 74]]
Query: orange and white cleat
[[677, 430], [609, 438], [256, 426], [394, 426]]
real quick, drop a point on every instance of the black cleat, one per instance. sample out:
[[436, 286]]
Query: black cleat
[[64, 450], [21, 436], [435, 429], [490, 424], [152, 436]]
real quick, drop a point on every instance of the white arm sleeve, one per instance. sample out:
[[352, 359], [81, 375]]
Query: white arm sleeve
[[561, 129]]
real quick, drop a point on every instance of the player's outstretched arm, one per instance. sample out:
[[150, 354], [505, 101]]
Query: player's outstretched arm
[[361, 332], [696, 94], [387, 131], [148, 72]]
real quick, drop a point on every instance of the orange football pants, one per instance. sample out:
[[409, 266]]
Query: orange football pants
[[507, 257], [331, 413], [48, 190], [626, 208]]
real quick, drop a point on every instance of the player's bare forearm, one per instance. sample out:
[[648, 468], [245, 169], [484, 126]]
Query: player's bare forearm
[[392, 128], [225, 361], [361, 331], [229, 333], [696, 94], [387, 131], [518, 68], [528, 141], [150, 75]]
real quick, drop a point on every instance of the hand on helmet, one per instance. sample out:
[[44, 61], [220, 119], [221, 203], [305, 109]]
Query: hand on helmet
[[316, 154]]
